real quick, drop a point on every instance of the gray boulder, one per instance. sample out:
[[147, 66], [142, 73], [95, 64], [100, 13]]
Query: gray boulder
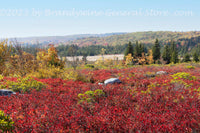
[[6, 92], [161, 73], [112, 81], [150, 75]]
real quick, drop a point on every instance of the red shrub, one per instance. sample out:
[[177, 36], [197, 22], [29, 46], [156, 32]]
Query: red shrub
[[126, 107]]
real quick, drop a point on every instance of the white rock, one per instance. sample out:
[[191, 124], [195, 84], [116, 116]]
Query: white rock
[[6, 92], [112, 81], [161, 73]]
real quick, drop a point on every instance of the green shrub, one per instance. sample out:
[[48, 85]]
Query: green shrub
[[183, 75], [178, 80], [75, 75], [6, 123], [150, 74], [89, 66], [1, 77], [90, 96], [190, 67], [23, 85]]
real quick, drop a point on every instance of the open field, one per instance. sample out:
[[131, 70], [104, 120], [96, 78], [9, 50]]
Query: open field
[[95, 58], [144, 102]]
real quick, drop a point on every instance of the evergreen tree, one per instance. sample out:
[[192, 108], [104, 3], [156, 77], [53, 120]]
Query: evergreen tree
[[195, 57], [129, 49], [166, 54], [141, 50], [136, 50], [186, 58], [173, 52], [173, 57], [156, 50]]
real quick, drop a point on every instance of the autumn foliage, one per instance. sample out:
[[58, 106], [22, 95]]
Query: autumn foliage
[[49, 58], [167, 103], [51, 99], [4, 55]]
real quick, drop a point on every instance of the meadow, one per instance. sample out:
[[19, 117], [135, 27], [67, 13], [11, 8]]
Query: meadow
[[143, 102]]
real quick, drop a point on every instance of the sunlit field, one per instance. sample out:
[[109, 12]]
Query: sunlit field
[[143, 102]]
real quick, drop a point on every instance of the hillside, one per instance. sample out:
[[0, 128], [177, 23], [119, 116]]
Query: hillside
[[143, 37], [59, 39], [91, 44]]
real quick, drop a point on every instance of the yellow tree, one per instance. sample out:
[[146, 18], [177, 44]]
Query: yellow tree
[[150, 57], [42, 58], [4, 55], [22, 64], [49, 58], [142, 60], [129, 59]]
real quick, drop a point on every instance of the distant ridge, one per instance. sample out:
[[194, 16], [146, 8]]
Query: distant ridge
[[187, 39], [148, 37], [59, 39]]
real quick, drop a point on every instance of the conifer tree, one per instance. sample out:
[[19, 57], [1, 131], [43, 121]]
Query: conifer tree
[[156, 50], [173, 52], [195, 57], [186, 58], [137, 49], [141, 50], [166, 54], [129, 49]]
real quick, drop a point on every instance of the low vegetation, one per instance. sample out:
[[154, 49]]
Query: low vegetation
[[52, 97]]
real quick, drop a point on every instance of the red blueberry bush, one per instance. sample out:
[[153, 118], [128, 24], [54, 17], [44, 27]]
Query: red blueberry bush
[[139, 104]]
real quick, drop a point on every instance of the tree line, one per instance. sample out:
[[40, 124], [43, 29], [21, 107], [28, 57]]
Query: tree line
[[63, 50], [168, 55], [168, 52]]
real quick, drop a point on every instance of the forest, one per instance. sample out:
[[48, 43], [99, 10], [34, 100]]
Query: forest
[[187, 42]]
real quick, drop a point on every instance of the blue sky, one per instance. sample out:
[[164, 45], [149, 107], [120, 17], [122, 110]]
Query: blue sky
[[22, 18]]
